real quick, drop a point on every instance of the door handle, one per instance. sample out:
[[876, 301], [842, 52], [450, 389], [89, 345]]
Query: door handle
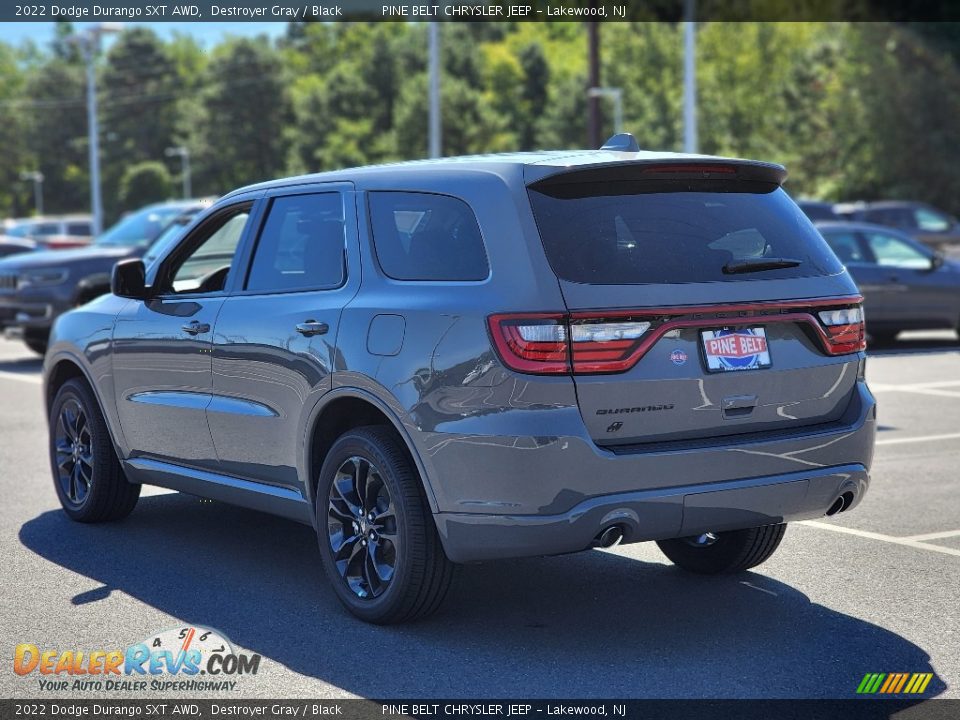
[[194, 327], [312, 327]]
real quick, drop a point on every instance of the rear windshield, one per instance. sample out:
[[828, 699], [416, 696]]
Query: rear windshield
[[642, 232]]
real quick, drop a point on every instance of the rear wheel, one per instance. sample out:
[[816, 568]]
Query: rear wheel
[[725, 552], [378, 542], [87, 476]]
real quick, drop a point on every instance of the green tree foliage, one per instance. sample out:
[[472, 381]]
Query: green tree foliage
[[144, 183], [853, 110]]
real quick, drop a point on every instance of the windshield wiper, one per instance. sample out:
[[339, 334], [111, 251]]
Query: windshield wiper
[[759, 265]]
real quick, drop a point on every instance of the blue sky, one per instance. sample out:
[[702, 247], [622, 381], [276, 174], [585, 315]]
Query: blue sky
[[207, 33]]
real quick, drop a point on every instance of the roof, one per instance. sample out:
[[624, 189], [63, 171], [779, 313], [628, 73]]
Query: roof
[[531, 165]]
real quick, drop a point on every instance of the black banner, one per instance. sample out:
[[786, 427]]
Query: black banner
[[107, 709], [477, 10]]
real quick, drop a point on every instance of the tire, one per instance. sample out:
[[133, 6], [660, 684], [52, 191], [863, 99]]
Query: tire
[[730, 552], [89, 481], [398, 571], [36, 344]]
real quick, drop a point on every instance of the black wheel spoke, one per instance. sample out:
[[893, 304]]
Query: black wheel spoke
[[362, 527], [73, 452]]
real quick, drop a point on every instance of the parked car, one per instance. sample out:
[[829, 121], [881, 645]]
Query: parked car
[[905, 284], [818, 210], [15, 246], [55, 233], [478, 358], [36, 288], [922, 222]]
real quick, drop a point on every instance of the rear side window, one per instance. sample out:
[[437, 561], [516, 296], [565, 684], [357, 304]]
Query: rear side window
[[301, 246], [846, 246], [419, 236], [645, 232], [80, 229]]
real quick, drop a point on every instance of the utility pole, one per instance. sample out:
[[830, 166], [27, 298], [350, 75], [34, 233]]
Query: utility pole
[[36, 177], [89, 41], [593, 80], [184, 154], [689, 79], [436, 128]]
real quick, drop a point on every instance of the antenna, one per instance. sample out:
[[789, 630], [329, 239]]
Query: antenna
[[623, 142]]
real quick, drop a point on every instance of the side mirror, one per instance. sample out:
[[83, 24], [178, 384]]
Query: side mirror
[[936, 262], [129, 279]]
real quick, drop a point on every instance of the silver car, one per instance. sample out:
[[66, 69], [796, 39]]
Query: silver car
[[468, 359]]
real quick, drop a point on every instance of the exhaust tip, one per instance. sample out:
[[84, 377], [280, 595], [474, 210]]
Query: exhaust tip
[[840, 504], [609, 537]]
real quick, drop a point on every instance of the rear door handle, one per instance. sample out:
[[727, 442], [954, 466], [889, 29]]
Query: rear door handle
[[312, 327], [194, 327]]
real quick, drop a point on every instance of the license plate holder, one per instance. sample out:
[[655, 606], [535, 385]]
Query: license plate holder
[[733, 349]]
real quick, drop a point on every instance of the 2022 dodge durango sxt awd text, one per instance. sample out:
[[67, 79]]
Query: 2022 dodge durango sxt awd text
[[450, 361]]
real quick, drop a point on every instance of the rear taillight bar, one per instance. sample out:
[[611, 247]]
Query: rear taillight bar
[[610, 342]]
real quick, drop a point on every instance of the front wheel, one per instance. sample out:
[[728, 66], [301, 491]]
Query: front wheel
[[725, 552], [87, 476], [378, 542]]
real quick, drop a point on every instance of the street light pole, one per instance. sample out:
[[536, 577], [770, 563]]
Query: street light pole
[[689, 79], [89, 41], [436, 129], [37, 178], [616, 95], [184, 154]]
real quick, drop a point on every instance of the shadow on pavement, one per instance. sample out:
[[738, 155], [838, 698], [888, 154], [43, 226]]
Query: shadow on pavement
[[913, 346], [25, 365], [594, 624]]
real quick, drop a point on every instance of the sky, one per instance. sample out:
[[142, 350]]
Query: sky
[[207, 33]]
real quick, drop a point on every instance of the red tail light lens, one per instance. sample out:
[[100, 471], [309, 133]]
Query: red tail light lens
[[844, 330], [532, 343]]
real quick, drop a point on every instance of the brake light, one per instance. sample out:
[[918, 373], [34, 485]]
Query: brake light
[[554, 343], [844, 330]]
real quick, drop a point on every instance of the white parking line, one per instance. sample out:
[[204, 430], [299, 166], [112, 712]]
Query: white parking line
[[918, 438], [933, 536], [904, 541], [35, 379], [913, 387]]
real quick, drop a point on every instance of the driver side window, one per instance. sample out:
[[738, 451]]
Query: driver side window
[[893, 252], [205, 267]]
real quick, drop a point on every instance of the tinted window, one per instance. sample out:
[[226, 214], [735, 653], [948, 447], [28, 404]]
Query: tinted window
[[639, 232], [44, 229], [141, 227], [891, 251], [205, 269], [82, 229], [301, 245], [846, 246], [427, 237]]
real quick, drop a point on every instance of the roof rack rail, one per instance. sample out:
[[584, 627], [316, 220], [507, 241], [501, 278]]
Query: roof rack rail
[[621, 142]]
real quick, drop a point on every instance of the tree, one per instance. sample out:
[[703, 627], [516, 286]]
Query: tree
[[144, 183]]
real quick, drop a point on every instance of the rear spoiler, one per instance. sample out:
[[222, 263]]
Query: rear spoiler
[[685, 168]]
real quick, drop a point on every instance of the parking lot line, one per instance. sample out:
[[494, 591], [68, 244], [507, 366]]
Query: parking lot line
[[35, 379], [918, 438], [905, 541], [933, 536]]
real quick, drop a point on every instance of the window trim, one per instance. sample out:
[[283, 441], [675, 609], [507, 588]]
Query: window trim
[[368, 210]]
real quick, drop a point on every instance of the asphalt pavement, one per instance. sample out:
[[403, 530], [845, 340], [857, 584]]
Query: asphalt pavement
[[874, 590]]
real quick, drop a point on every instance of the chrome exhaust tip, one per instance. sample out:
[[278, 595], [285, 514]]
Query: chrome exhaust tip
[[609, 537]]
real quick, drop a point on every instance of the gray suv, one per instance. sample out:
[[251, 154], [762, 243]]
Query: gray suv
[[452, 361]]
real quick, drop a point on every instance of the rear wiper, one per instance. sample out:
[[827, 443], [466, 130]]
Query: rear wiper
[[758, 265]]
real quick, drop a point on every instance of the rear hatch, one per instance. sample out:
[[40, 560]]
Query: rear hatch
[[701, 302]]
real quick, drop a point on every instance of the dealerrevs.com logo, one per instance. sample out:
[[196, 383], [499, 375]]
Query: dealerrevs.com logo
[[184, 659]]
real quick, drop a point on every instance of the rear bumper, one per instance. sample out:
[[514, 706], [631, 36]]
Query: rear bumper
[[652, 514], [515, 497]]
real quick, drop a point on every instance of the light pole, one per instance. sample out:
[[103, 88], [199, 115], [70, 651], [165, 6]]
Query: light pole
[[689, 79], [616, 95], [184, 154], [436, 128], [89, 42], [37, 178]]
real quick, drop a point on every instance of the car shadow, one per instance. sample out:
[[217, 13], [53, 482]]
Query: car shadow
[[913, 346], [24, 366], [594, 624]]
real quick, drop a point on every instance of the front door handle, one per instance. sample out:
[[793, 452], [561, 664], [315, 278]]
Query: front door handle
[[312, 327], [195, 327]]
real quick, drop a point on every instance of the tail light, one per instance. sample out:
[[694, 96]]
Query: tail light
[[844, 330], [588, 343], [555, 343]]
